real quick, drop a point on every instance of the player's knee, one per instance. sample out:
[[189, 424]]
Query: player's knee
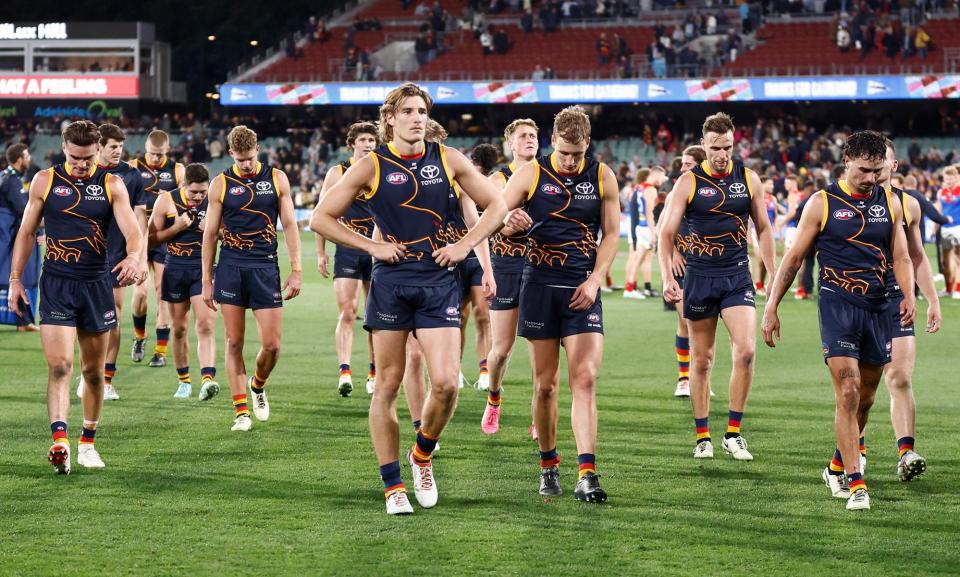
[[348, 314], [583, 376], [898, 380], [848, 395], [235, 347], [61, 368], [271, 347], [702, 363], [547, 389], [744, 356], [444, 390], [92, 377], [204, 327], [482, 318], [180, 331]]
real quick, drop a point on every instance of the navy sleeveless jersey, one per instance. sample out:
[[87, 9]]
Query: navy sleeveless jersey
[[893, 289], [853, 247], [77, 211], [183, 250], [116, 244], [251, 206], [157, 180], [413, 203], [566, 210], [718, 212], [508, 253]]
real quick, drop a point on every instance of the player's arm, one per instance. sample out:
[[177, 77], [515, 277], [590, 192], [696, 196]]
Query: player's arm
[[26, 238], [211, 236], [792, 204], [586, 294], [808, 229], [649, 199], [133, 268], [758, 213], [359, 177], [323, 260], [484, 194], [673, 210], [516, 192], [179, 173], [921, 265], [159, 231], [471, 217], [291, 236], [902, 265], [929, 209]]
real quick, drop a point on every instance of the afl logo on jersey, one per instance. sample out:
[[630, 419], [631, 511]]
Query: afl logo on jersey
[[397, 178], [62, 190], [109, 315], [584, 188], [707, 192], [164, 176], [94, 189], [236, 190], [593, 318], [877, 211], [843, 214], [452, 311], [146, 174], [550, 189]]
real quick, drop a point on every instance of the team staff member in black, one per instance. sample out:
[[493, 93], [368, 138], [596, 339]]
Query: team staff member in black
[[14, 192], [77, 201]]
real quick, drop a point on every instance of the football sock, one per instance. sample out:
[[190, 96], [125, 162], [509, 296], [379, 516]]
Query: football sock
[[587, 463], [733, 425]]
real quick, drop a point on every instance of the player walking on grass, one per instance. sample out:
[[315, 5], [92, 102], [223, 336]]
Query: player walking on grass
[[718, 199], [856, 227], [351, 268], [408, 184], [247, 199], [76, 201], [160, 174], [178, 222], [570, 201], [641, 200]]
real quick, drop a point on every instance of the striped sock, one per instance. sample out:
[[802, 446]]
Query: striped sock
[[109, 371], [140, 327], [863, 446], [207, 374], [483, 367], [588, 463], [392, 483], [856, 482], [163, 337], [345, 369], [904, 444], [683, 356], [372, 372], [733, 424], [183, 373], [703, 429], [416, 425], [59, 431], [549, 458], [423, 449], [88, 432], [258, 382], [836, 464], [240, 405], [493, 397]]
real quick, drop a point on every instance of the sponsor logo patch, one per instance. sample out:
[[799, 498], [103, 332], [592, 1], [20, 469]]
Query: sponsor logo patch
[[877, 211], [236, 190], [164, 176], [429, 172], [94, 189], [263, 185], [585, 188], [62, 190], [550, 189], [109, 315], [397, 178], [452, 311], [593, 318], [843, 214], [707, 192], [738, 188]]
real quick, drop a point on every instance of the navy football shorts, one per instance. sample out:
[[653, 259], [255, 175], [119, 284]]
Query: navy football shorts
[[545, 313], [400, 307], [706, 296], [180, 284], [847, 330], [353, 264], [248, 287], [897, 331], [84, 304], [508, 291]]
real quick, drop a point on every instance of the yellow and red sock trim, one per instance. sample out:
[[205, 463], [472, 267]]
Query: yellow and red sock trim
[[240, 404]]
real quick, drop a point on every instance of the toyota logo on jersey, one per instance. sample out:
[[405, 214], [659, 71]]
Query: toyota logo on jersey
[[844, 214], [877, 211], [263, 185], [584, 188], [94, 189], [396, 178], [429, 172], [164, 175], [738, 188]]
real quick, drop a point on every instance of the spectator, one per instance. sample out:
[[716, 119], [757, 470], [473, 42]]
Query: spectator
[[310, 28], [538, 73], [843, 40], [891, 44], [711, 25], [549, 74], [922, 41], [322, 34], [603, 48], [620, 47], [501, 44], [420, 49], [486, 42], [526, 21], [745, 24], [624, 68]]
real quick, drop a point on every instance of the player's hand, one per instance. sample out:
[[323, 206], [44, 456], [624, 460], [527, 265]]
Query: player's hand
[[934, 319], [183, 221], [908, 310], [770, 326], [517, 221], [679, 265], [207, 293], [322, 262], [671, 291], [452, 254], [390, 252], [202, 224], [489, 284], [585, 294], [294, 283], [129, 271], [41, 240], [15, 294]]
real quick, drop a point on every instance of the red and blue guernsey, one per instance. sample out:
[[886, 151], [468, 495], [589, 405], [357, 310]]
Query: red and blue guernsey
[[250, 210], [565, 209], [358, 217], [77, 212], [183, 250], [950, 202], [413, 202], [718, 213], [508, 253], [853, 247]]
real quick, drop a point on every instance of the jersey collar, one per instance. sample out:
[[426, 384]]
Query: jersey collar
[[705, 165], [553, 165], [163, 162], [255, 172], [849, 192], [66, 168], [393, 150]]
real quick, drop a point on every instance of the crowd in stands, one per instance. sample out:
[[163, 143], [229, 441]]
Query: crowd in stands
[[871, 29]]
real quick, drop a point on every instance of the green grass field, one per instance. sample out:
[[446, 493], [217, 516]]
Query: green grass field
[[300, 494]]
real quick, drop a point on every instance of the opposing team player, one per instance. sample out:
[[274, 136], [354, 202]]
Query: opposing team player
[[570, 200], [949, 199], [247, 199], [76, 201], [855, 226], [718, 198], [643, 234], [773, 209], [408, 184], [160, 174], [351, 268], [109, 159], [178, 222], [899, 373]]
